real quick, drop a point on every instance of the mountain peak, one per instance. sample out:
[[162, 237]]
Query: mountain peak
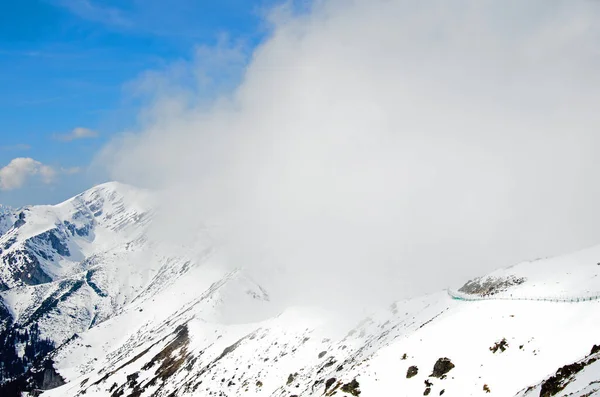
[[110, 185], [110, 199], [110, 189]]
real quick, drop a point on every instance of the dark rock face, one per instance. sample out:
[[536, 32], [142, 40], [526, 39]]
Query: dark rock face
[[27, 267], [48, 378], [30, 371], [52, 238], [89, 277], [20, 221], [41, 376], [412, 371], [564, 375], [442, 367], [83, 231], [560, 380]]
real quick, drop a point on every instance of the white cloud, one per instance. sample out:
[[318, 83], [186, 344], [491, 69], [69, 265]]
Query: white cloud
[[20, 170], [380, 148], [77, 133]]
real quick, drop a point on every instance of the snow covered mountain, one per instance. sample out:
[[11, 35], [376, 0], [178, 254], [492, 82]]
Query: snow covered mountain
[[92, 305], [64, 268]]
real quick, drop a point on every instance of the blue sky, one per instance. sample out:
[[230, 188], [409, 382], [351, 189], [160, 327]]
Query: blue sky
[[66, 64]]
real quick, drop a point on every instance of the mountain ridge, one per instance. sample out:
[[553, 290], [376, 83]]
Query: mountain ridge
[[123, 314]]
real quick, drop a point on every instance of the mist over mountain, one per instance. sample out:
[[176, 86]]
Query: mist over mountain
[[396, 147], [93, 304], [383, 197]]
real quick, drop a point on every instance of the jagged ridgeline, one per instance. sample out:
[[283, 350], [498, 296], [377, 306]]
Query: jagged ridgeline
[[55, 277]]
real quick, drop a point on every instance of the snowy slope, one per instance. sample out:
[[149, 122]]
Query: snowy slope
[[129, 316], [67, 267], [564, 277], [497, 347], [258, 359]]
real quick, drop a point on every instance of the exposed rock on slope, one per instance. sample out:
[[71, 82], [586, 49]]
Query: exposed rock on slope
[[486, 286], [580, 378]]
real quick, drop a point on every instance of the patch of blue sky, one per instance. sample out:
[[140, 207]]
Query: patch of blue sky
[[66, 64]]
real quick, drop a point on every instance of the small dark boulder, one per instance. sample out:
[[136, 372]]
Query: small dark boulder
[[412, 371], [352, 388], [427, 391], [442, 367], [329, 383], [322, 354], [290, 379], [501, 345]]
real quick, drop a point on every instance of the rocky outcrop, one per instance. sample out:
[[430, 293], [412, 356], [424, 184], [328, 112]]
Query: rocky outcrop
[[441, 367], [563, 377], [487, 286], [26, 269]]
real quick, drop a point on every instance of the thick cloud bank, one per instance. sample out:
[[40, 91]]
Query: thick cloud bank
[[380, 148]]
